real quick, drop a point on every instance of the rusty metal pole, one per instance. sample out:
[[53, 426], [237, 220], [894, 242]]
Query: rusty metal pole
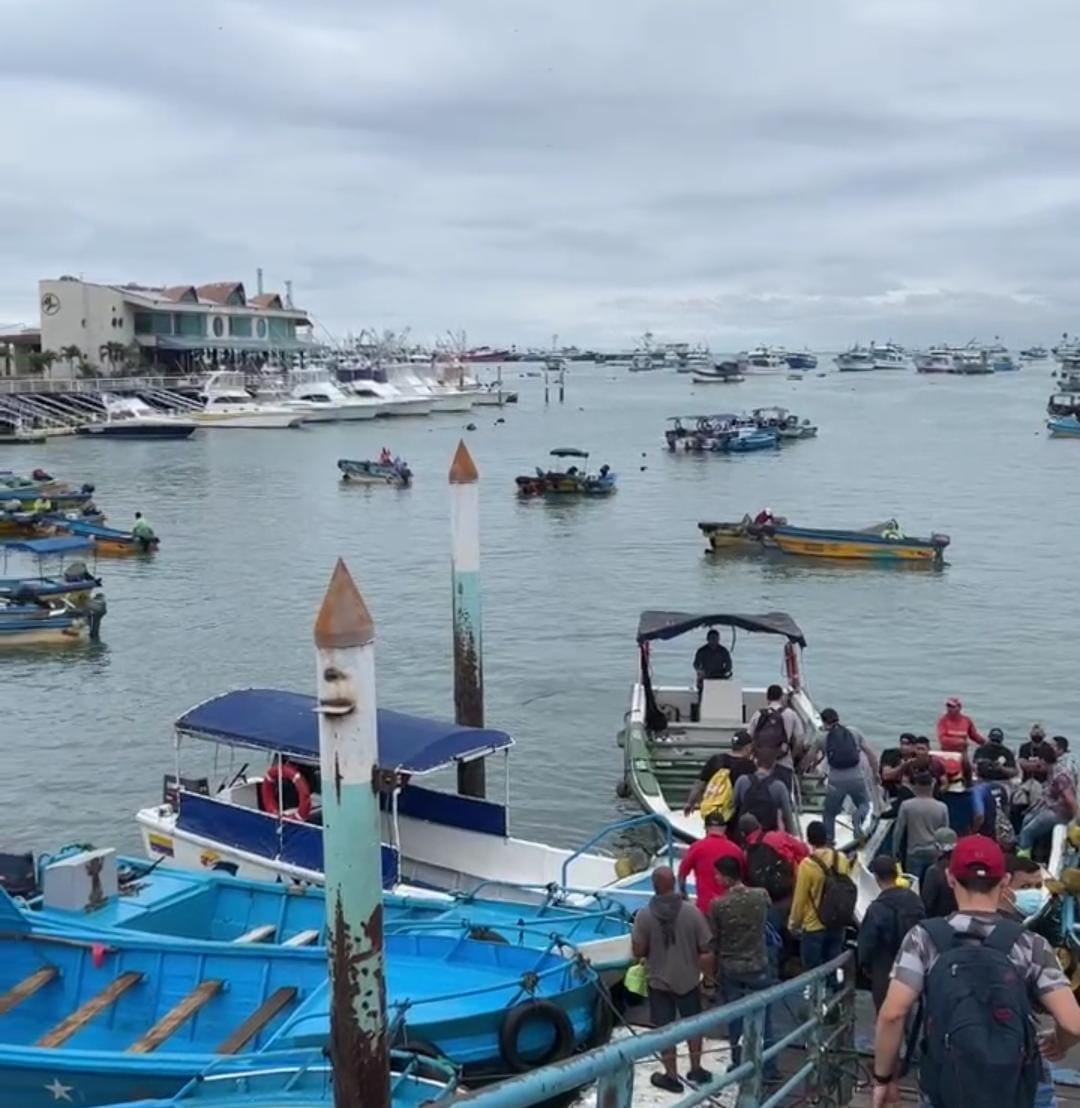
[[465, 583], [352, 850]]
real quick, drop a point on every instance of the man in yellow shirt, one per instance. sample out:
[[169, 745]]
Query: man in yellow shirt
[[818, 944]]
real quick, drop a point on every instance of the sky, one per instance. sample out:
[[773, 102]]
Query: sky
[[805, 173]]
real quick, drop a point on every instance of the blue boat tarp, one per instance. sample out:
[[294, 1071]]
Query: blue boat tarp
[[66, 544], [285, 723]]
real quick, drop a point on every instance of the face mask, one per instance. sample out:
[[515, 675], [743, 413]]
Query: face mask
[[1030, 901]]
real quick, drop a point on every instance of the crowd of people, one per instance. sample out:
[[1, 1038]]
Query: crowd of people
[[945, 935]]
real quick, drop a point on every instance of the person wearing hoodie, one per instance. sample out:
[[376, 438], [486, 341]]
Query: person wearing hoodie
[[671, 936], [889, 918]]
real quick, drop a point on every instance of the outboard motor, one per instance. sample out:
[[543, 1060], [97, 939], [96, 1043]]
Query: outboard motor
[[87, 488], [17, 874], [41, 475], [95, 613], [76, 572]]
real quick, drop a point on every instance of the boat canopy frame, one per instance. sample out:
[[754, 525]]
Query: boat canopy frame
[[658, 625]]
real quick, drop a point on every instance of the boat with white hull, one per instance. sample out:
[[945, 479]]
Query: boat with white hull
[[229, 406], [267, 826], [321, 401], [389, 400], [129, 417]]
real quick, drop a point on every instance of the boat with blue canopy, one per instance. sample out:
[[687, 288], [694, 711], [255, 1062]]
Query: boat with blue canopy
[[47, 611], [83, 889], [267, 823], [110, 1020], [304, 1079], [108, 540]]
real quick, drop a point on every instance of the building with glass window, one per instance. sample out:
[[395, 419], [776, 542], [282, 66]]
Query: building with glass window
[[181, 327]]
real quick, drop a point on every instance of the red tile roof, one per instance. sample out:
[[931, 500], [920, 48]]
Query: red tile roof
[[266, 300], [220, 291]]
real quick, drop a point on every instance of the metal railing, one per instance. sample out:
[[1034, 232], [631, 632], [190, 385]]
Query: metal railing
[[615, 828], [826, 1036]]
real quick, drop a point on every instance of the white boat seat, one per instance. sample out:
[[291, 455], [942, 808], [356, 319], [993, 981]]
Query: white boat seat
[[721, 702], [256, 935], [302, 938]]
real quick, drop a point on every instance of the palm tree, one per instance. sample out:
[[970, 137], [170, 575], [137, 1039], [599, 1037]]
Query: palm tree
[[113, 353], [41, 362], [71, 354]]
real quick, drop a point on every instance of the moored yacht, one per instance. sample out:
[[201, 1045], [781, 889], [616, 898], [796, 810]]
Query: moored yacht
[[321, 401], [128, 417], [229, 406], [370, 384], [856, 359], [938, 359], [889, 356], [764, 359]]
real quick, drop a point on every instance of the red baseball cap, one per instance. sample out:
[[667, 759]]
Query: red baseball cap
[[977, 856]]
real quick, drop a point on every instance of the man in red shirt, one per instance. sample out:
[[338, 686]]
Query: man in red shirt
[[954, 729], [701, 858]]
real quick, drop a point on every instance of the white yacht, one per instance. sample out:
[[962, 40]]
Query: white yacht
[[321, 401], [228, 405], [443, 397], [389, 400], [129, 417], [938, 359], [857, 359], [889, 356], [765, 359]]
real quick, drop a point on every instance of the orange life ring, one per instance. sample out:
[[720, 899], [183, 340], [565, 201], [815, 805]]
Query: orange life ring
[[268, 790]]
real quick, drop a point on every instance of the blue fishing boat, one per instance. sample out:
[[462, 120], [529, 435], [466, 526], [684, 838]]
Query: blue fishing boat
[[746, 440], [1064, 427], [122, 1017], [83, 889], [801, 359], [288, 1079], [55, 495], [108, 540], [264, 821]]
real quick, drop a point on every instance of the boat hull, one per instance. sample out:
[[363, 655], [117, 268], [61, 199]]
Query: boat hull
[[254, 421], [853, 545], [135, 433], [1064, 428]]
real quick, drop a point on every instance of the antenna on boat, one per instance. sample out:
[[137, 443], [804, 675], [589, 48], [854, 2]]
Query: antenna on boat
[[465, 590], [352, 850]]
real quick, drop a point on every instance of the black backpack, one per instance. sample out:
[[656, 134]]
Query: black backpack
[[979, 1046], [768, 869], [758, 801], [839, 895], [770, 732], [841, 748]]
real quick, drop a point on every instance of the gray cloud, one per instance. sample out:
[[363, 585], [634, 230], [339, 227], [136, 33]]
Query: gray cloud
[[788, 172]]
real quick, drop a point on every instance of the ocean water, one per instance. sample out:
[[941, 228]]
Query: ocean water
[[252, 522]]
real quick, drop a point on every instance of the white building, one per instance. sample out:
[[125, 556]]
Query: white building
[[174, 327]]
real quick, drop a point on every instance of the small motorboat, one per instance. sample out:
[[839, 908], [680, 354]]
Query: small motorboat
[[883, 542], [573, 481], [732, 537], [746, 440], [723, 373], [1035, 354], [801, 359], [786, 424], [1063, 404], [360, 472], [856, 359], [108, 541], [1064, 427]]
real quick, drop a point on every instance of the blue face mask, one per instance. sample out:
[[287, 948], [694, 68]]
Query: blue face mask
[[1030, 901]]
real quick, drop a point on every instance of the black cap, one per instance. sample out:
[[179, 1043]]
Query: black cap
[[996, 733], [741, 739]]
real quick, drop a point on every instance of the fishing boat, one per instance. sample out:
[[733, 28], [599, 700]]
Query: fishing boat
[[856, 359], [39, 615], [265, 824], [1001, 361], [361, 472], [1068, 378], [1064, 427], [572, 481], [889, 356], [883, 542], [85, 889], [737, 536], [723, 373], [746, 440], [303, 1079], [801, 359], [970, 361], [671, 730], [131, 418], [43, 495], [765, 359], [1035, 354], [108, 541], [786, 424], [1063, 404]]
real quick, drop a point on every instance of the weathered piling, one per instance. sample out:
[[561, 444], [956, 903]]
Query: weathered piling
[[352, 851], [465, 587]]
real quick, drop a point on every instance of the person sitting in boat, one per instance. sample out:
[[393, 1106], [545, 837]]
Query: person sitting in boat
[[994, 761], [764, 518], [141, 528], [924, 761], [712, 660], [385, 457], [891, 530], [955, 730], [893, 762], [42, 505]]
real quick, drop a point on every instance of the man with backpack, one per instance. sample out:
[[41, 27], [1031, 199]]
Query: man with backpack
[[772, 858], [889, 918], [715, 786], [823, 906], [982, 979], [843, 749], [763, 795], [776, 728]]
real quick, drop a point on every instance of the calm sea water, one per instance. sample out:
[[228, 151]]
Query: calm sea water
[[252, 522]]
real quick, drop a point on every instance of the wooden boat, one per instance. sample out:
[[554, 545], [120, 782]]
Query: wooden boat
[[724, 538], [31, 491], [125, 1017], [573, 481], [109, 541], [746, 440], [362, 472], [880, 543], [93, 890], [1064, 427], [291, 1079]]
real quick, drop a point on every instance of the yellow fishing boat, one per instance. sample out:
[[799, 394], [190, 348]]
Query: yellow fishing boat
[[881, 543]]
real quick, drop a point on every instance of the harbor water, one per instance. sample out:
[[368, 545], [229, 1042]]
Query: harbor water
[[252, 521]]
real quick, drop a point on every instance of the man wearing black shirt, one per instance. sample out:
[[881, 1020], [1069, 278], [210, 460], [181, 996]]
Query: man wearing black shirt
[[937, 897], [738, 762], [1031, 765], [712, 660], [892, 764], [994, 760]]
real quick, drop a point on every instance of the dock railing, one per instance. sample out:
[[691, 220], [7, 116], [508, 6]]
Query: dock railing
[[824, 1071]]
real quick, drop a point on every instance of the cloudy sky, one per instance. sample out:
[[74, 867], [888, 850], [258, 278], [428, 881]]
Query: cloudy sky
[[777, 170]]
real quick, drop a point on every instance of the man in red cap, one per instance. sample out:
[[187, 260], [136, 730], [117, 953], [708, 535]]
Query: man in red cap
[[978, 1044], [954, 729]]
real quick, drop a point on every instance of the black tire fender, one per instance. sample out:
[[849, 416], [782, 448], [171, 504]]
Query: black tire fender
[[526, 1012]]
